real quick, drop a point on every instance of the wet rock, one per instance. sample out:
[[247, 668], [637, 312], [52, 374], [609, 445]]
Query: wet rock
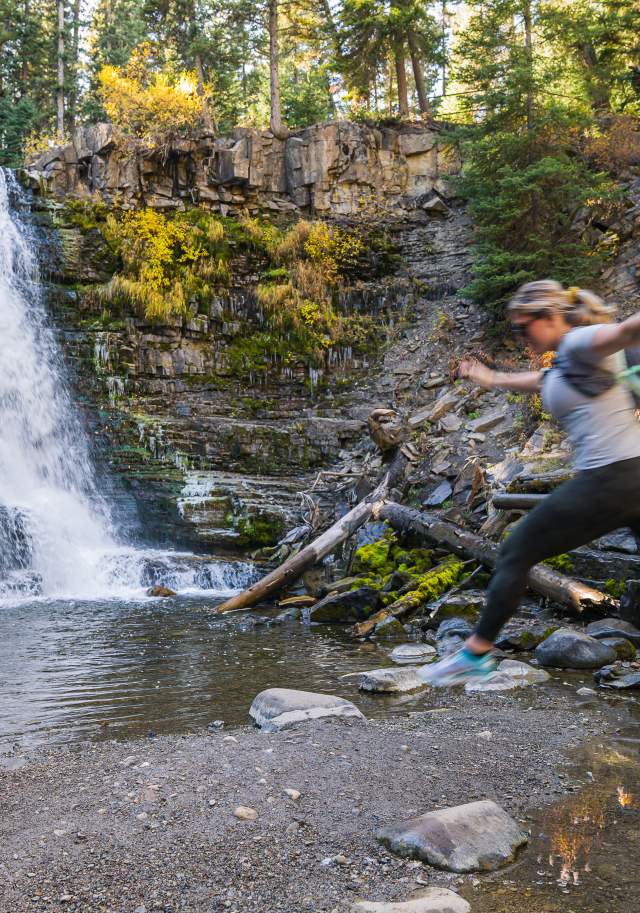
[[630, 602], [389, 628], [623, 647], [614, 627], [338, 586], [288, 615], [465, 606], [619, 675], [390, 681], [344, 608], [478, 836], [568, 649], [282, 708], [160, 591], [451, 635], [405, 654], [523, 672], [521, 637], [433, 900], [497, 681]]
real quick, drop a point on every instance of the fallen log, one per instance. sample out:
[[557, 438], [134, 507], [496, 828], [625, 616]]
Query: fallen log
[[295, 566], [504, 501], [544, 580]]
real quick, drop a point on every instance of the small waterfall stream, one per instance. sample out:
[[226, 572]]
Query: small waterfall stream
[[57, 538]]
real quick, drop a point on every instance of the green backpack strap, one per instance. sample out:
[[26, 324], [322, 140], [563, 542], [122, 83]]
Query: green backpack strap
[[627, 374]]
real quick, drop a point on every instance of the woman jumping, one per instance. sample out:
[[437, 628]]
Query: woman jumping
[[583, 392]]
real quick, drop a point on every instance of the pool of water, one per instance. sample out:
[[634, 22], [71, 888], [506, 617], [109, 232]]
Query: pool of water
[[76, 670], [583, 853]]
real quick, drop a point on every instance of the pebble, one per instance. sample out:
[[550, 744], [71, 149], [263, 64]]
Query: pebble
[[244, 813], [293, 794]]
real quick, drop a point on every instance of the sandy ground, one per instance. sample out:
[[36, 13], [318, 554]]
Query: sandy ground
[[133, 827]]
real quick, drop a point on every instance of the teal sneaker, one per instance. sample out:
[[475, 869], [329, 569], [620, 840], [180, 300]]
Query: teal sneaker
[[457, 669]]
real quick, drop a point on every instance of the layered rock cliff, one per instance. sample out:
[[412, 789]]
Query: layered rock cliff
[[212, 457]]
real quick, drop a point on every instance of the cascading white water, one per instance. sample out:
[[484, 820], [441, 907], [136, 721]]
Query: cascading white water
[[56, 535]]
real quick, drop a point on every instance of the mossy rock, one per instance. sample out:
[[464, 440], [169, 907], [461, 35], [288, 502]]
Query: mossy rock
[[345, 608], [375, 557]]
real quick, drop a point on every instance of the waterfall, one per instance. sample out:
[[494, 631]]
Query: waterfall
[[57, 538]]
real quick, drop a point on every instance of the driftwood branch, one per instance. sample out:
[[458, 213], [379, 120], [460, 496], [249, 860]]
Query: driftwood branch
[[544, 580], [295, 566]]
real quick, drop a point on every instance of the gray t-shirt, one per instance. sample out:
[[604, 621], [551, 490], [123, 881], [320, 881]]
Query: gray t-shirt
[[603, 429]]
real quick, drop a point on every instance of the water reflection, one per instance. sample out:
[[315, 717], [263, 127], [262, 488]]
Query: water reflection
[[585, 846], [73, 670]]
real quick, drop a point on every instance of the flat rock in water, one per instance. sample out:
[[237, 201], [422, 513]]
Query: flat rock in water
[[404, 654], [344, 608], [433, 900], [391, 681], [568, 649], [523, 672], [282, 708], [478, 836], [619, 675], [160, 591], [496, 681], [614, 627]]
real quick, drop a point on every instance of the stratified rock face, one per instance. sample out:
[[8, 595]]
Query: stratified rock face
[[477, 837], [327, 169], [567, 649], [283, 708]]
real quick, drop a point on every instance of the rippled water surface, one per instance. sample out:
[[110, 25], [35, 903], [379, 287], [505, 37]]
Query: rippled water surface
[[72, 670]]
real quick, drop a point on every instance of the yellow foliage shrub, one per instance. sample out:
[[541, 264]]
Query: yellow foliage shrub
[[145, 103]]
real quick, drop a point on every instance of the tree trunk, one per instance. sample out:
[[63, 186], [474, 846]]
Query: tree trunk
[[444, 47], [423, 100], [528, 48], [294, 567], [24, 64], [207, 118], [276, 125], [75, 53], [545, 581], [60, 80], [401, 79]]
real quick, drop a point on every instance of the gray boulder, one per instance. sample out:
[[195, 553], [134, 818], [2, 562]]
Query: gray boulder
[[391, 681], [619, 675], [568, 649], [344, 608], [405, 654], [614, 627], [478, 836], [282, 708], [623, 647]]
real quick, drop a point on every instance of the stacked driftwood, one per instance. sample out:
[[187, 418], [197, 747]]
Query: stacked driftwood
[[427, 527]]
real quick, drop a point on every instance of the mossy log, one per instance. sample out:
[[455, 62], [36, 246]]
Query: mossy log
[[559, 588], [540, 483], [295, 566]]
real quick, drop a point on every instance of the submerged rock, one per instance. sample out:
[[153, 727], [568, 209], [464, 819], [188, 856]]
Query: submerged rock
[[160, 591], [614, 627], [478, 836], [344, 608], [568, 649], [523, 672], [497, 681], [276, 709], [433, 900], [391, 680], [405, 654]]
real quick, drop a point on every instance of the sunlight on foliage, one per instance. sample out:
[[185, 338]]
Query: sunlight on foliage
[[147, 103]]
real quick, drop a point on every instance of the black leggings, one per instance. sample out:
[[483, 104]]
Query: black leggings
[[593, 503]]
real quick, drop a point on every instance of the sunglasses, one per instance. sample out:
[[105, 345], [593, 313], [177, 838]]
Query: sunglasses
[[520, 330]]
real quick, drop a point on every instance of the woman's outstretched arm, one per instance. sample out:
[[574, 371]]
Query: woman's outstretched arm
[[617, 336], [518, 382]]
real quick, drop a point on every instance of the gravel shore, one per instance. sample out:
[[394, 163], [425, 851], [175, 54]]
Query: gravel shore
[[135, 827]]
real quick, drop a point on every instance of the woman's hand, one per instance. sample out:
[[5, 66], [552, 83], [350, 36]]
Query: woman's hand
[[477, 372]]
